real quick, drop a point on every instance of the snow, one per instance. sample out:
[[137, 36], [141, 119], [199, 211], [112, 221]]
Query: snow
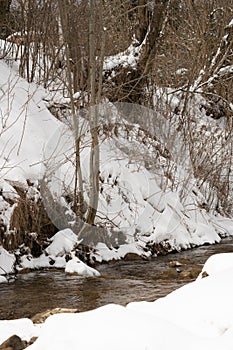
[[106, 253], [3, 279], [128, 58], [134, 200], [77, 266], [74, 265], [138, 204], [218, 263], [26, 126], [195, 316], [230, 24], [62, 243], [142, 206], [111, 327], [7, 262], [23, 328], [203, 307], [181, 71], [56, 254], [224, 224], [226, 70]]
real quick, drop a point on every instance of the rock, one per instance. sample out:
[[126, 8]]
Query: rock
[[132, 257], [32, 340], [178, 270], [161, 248], [186, 274], [169, 274], [192, 274], [42, 316], [13, 343], [25, 270], [3, 279], [174, 263], [76, 266], [204, 274]]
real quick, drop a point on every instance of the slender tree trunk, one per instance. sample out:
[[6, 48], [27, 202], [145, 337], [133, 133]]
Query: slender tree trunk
[[94, 154], [78, 185]]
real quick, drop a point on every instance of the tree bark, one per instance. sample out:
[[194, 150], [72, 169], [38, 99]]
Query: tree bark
[[130, 83], [94, 154], [4, 17], [78, 201]]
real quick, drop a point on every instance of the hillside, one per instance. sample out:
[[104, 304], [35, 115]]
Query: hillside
[[150, 201]]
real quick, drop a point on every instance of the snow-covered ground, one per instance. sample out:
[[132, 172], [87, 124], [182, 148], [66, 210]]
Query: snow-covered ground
[[61, 245], [196, 316], [148, 201]]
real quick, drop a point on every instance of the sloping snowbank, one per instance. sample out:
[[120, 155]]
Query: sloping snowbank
[[196, 316], [141, 208], [26, 126], [140, 205]]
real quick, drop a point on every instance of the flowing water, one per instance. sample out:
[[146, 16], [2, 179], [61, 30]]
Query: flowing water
[[121, 282]]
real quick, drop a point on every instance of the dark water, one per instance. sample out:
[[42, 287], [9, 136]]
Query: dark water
[[120, 283]]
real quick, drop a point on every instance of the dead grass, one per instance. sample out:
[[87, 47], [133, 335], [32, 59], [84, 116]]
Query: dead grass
[[29, 225]]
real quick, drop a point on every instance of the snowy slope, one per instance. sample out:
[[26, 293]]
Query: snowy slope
[[143, 207], [26, 125]]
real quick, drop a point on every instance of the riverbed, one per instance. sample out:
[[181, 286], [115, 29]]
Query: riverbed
[[120, 282]]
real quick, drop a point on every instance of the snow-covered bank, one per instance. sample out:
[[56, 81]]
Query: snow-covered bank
[[58, 254], [196, 316], [23, 327], [149, 203]]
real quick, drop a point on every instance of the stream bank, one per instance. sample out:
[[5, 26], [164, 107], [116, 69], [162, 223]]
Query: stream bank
[[120, 282]]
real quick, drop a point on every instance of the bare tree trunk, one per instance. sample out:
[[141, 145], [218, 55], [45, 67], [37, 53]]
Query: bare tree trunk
[[78, 185], [94, 155], [130, 83]]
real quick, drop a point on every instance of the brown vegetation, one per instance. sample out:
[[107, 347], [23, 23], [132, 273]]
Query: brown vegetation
[[30, 225]]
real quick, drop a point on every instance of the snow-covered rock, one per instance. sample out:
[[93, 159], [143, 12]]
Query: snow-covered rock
[[7, 262], [217, 263], [24, 328], [77, 266], [3, 279], [62, 242]]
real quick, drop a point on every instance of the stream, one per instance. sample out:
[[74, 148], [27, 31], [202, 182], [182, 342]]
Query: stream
[[121, 282]]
